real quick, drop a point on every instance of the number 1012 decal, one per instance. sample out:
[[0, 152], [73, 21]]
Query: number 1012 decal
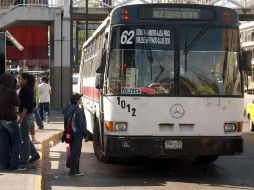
[[123, 105]]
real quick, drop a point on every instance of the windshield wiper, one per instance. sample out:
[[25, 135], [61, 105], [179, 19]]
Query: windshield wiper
[[161, 71], [197, 38], [194, 41], [148, 48]]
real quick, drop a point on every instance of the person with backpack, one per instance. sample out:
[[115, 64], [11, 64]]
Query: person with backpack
[[75, 115]]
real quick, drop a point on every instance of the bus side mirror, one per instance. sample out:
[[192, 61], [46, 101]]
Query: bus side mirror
[[98, 81], [246, 60]]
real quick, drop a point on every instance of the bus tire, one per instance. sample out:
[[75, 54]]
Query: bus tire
[[206, 159], [97, 146], [251, 126]]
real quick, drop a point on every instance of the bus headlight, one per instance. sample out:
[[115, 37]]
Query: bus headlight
[[230, 127], [120, 126]]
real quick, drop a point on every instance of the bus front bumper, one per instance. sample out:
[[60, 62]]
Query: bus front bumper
[[156, 147]]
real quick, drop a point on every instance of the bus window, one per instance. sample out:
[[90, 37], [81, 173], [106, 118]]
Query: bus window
[[130, 68], [142, 58], [209, 67]]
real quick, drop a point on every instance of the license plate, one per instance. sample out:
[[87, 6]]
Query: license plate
[[173, 144]]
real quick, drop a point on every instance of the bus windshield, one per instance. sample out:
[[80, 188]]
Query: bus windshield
[[147, 62]]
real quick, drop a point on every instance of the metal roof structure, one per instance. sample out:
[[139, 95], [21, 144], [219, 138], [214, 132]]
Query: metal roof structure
[[114, 3]]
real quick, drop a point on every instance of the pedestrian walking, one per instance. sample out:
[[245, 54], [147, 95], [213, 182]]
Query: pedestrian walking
[[9, 130], [37, 116], [76, 114], [44, 98], [25, 112], [32, 133]]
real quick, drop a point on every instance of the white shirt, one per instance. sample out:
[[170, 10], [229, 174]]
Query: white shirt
[[44, 92]]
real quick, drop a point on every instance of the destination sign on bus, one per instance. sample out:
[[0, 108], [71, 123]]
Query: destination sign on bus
[[139, 36], [153, 36], [176, 13]]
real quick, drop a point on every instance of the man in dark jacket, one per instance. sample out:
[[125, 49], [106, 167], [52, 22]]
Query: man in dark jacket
[[75, 114], [9, 129]]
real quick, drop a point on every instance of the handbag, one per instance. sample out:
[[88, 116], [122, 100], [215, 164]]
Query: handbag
[[68, 133]]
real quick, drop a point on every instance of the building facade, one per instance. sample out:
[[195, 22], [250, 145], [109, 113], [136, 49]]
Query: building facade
[[247, 37]]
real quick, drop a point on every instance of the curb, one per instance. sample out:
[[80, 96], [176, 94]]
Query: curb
[[45, 146]]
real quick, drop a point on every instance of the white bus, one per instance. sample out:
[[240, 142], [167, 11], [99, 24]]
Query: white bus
[[164, 80]]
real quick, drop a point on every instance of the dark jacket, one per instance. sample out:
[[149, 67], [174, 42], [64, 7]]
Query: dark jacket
[[79, 120], [8, 97]]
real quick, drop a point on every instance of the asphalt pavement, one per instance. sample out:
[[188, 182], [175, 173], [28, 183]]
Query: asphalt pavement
[[228, 172], [50, 173]]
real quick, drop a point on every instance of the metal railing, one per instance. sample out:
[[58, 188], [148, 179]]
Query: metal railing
[[6, 4]]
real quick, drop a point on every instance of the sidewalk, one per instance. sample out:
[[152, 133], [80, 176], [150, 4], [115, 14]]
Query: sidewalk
[[31, 179]]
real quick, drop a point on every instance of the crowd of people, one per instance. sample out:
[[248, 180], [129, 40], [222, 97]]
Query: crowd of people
[[21, 99]]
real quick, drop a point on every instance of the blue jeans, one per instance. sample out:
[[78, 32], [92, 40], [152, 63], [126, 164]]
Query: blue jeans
[[14, 133], [27, 147], [44, 107], [4, 148], [38, 120]]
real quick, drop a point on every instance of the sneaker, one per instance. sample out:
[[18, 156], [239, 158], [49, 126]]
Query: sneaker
[[41, 127], [3, 168], [79, 174], [71, 174], [34, 158], [20, 168]]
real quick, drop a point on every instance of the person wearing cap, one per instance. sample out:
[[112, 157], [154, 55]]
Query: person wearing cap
[[79, 127]]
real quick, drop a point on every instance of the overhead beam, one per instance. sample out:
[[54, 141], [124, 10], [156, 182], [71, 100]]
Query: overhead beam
[[91, 26], [213, 2], [75, 3], [236, 3], [94, 14], [245, 14]]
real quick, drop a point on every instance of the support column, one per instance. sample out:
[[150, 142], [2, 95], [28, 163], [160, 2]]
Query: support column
[[56, 61], [67, 48]]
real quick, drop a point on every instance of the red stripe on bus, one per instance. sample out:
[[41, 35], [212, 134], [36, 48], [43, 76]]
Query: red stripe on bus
[[90, 92]]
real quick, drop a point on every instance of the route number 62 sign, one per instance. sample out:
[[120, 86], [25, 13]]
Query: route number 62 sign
[[127, 37]]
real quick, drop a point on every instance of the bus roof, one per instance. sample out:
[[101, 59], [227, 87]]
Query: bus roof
[[98, 30], [144, 13], [115, 15]]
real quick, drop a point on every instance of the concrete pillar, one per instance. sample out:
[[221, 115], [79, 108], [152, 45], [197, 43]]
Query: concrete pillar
[[61, 75], [66, 63], [66, 54], [56, 61]]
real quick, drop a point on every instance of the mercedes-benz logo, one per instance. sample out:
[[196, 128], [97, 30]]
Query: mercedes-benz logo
[[177, 111]]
